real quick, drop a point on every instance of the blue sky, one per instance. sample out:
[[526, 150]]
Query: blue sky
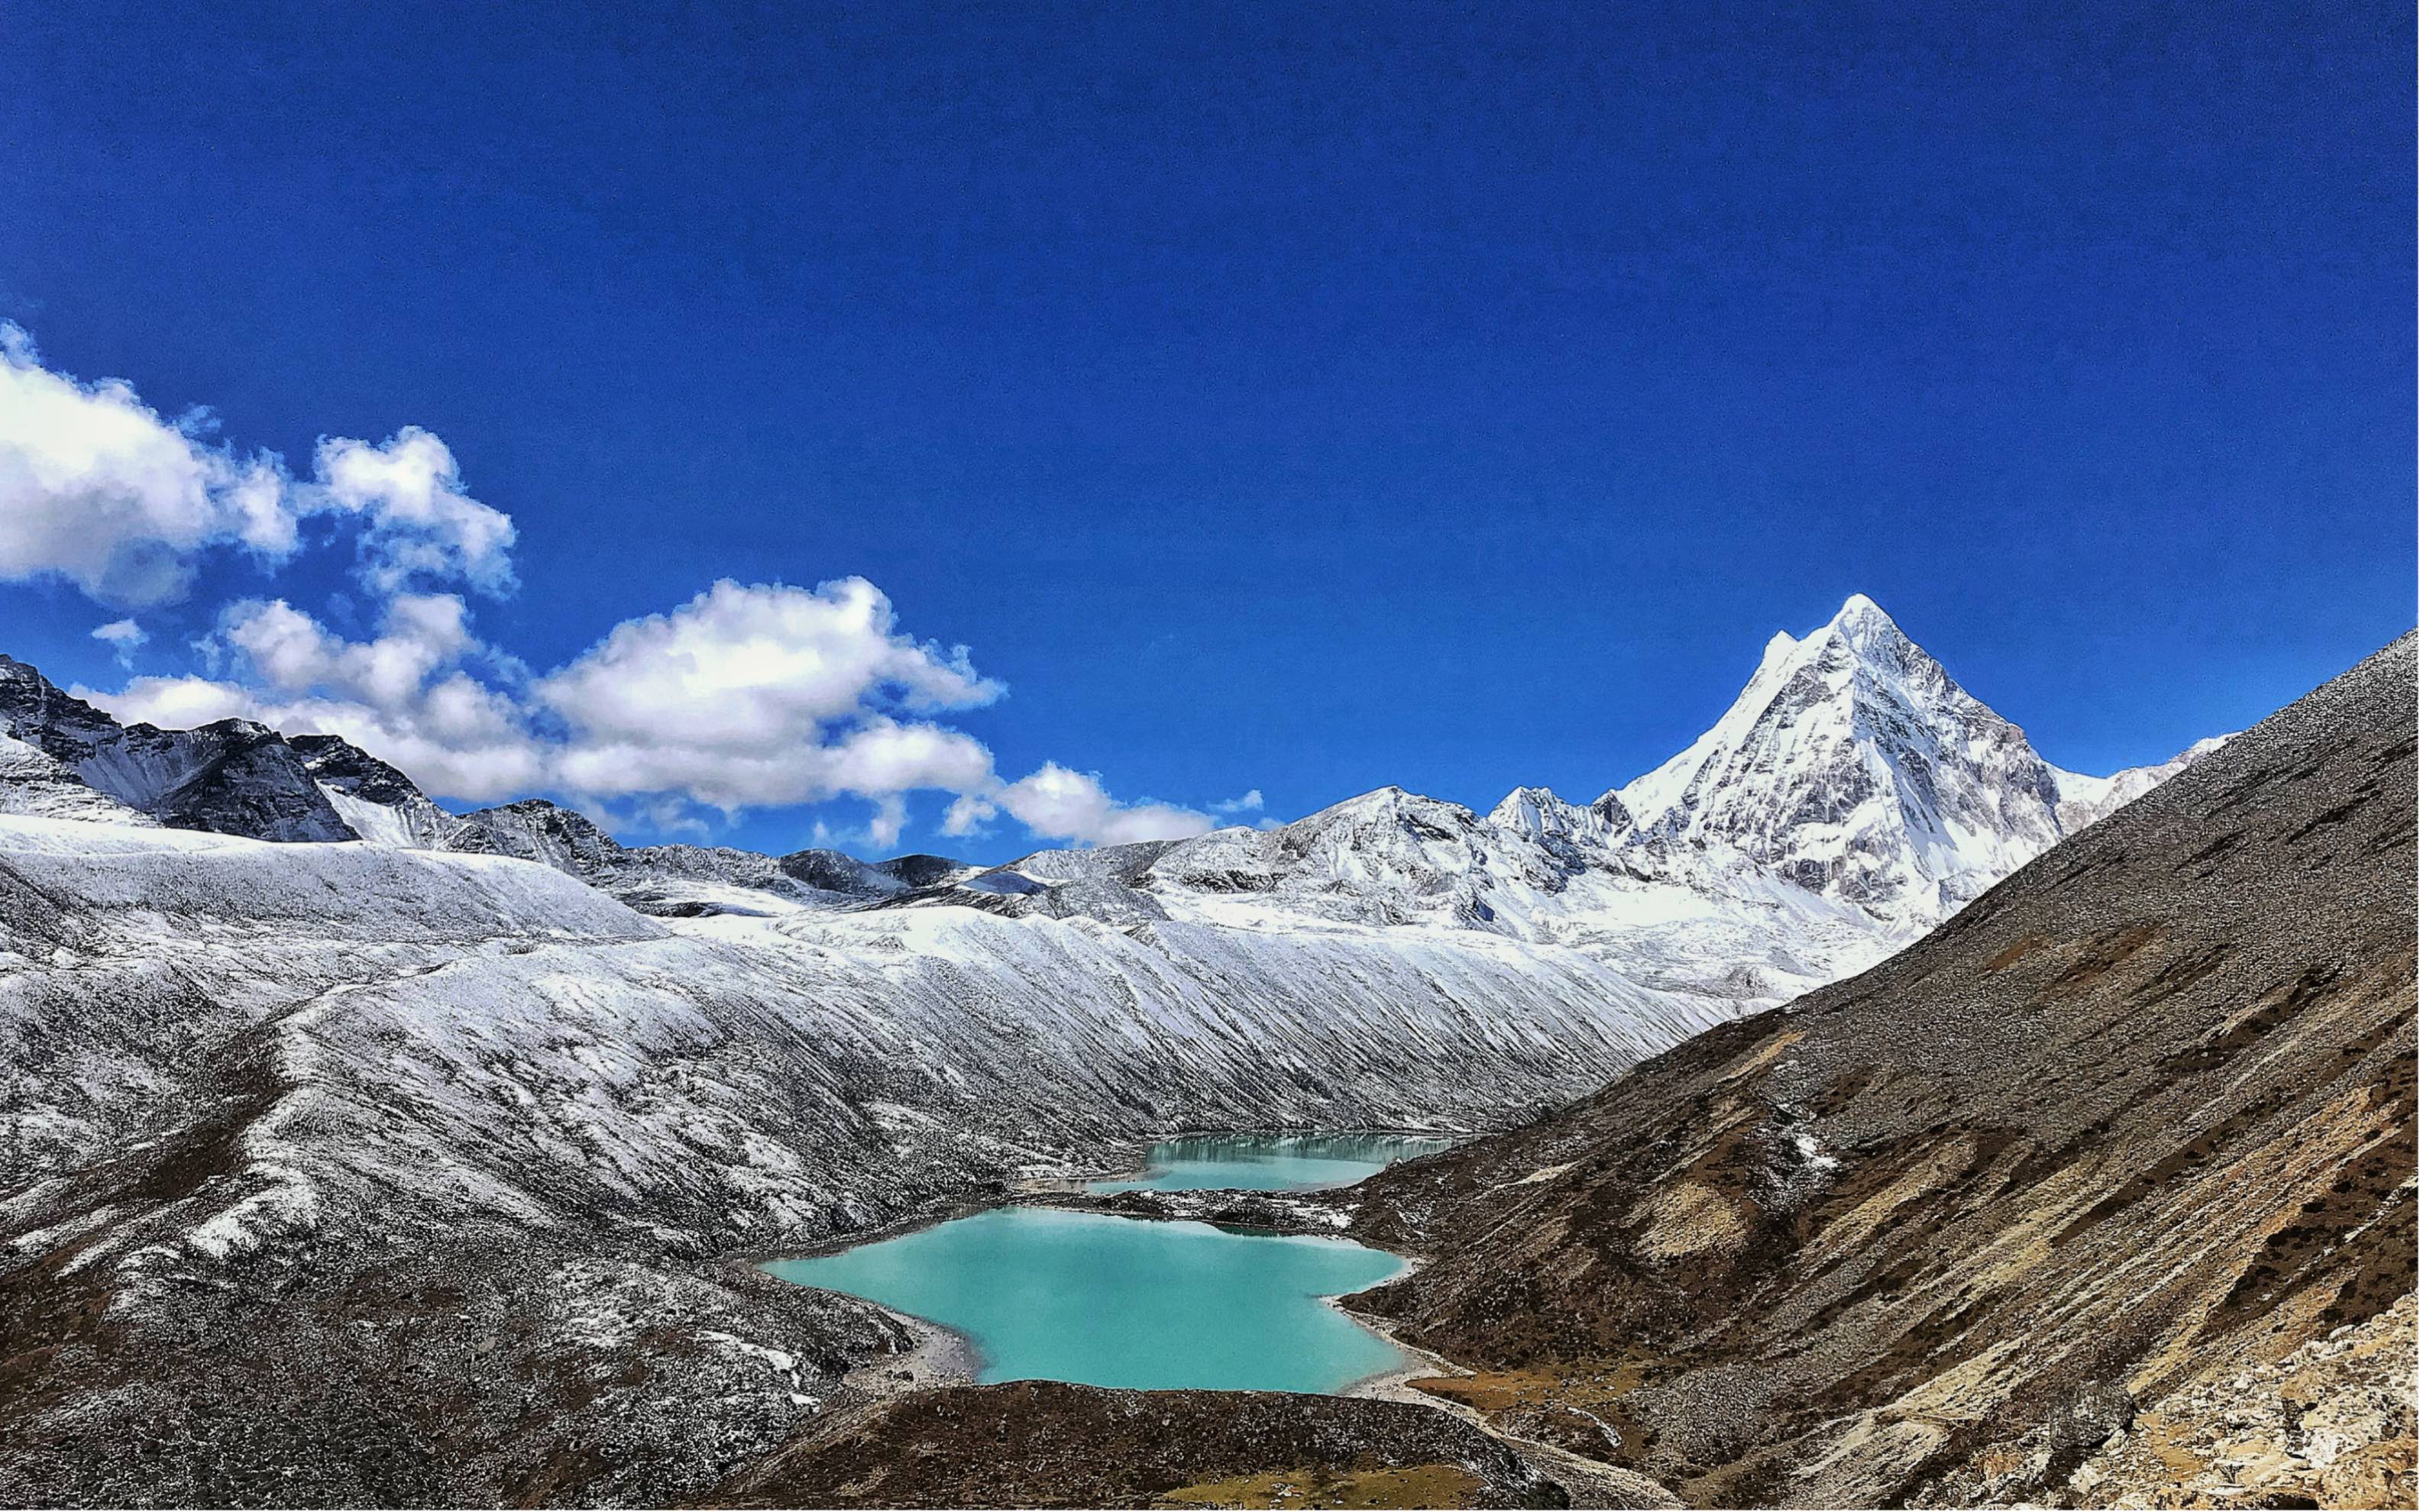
[[1290, 399]]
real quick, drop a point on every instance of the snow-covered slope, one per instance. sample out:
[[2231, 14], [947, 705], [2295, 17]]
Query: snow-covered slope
[[1414, 869], [34, 782], [2085, 801], [1851, 799], [497, 1037], [1853, 765], [378, 802]]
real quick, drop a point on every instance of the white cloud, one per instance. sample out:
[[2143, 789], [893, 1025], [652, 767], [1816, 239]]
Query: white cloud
[[967, 814], [1062, 804], [889, 818], [423, 527], [767, 694], [1250, 803], [123, 637], [176, 702], [96, 487], [747, 696]]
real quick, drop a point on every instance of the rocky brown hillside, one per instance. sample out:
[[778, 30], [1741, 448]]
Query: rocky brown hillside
[[2030, 1212], [1045, 1443]]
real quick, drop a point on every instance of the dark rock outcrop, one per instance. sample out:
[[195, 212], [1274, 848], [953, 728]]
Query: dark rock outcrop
[[39, 711], [535, 830], [233, 777]]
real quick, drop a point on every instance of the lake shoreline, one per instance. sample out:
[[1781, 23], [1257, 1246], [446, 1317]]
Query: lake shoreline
[[942, 1356], [1418, 1364], [938, 1357], [931, 1352]]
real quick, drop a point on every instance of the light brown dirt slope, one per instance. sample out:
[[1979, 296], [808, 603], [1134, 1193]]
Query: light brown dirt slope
[[2138, 1121]]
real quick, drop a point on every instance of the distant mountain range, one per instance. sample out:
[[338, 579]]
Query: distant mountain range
[[1852, 797]]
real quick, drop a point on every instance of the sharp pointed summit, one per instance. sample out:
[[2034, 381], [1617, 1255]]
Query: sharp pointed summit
[[1854, 765]]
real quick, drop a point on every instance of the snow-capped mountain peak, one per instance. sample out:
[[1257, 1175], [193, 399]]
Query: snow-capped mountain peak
[[1569, 830], [1854, 765], [1850, 796]]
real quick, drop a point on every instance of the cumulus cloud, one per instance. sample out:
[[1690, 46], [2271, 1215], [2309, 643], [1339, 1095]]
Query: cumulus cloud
[[423, 527], [123, 637], [1067, 804], [766, 694], [99, 488], [1250, 803], [967, 813], [747, 696], [1056, 803]]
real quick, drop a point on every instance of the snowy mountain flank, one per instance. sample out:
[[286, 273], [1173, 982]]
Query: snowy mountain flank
[[1851, 799], [347, 1138]]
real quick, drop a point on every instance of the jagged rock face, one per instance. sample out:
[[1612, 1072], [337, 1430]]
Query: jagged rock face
[[1575, 838], [919, 870], [234, 777], [1853, 765], [1383, 857], [537, 830], [2136, 1120], [842, 876], [376, 801], [694, 881], [33, 709], [342, 765], [34, 782]]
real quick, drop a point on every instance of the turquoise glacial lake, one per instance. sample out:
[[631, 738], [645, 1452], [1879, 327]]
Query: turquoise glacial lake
[[1046, 1294]]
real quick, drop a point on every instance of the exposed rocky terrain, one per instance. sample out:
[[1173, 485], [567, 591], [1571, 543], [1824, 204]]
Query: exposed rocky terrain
[[1045, 1443], [2117, 1163], [35, 782], [2330, 1425]]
